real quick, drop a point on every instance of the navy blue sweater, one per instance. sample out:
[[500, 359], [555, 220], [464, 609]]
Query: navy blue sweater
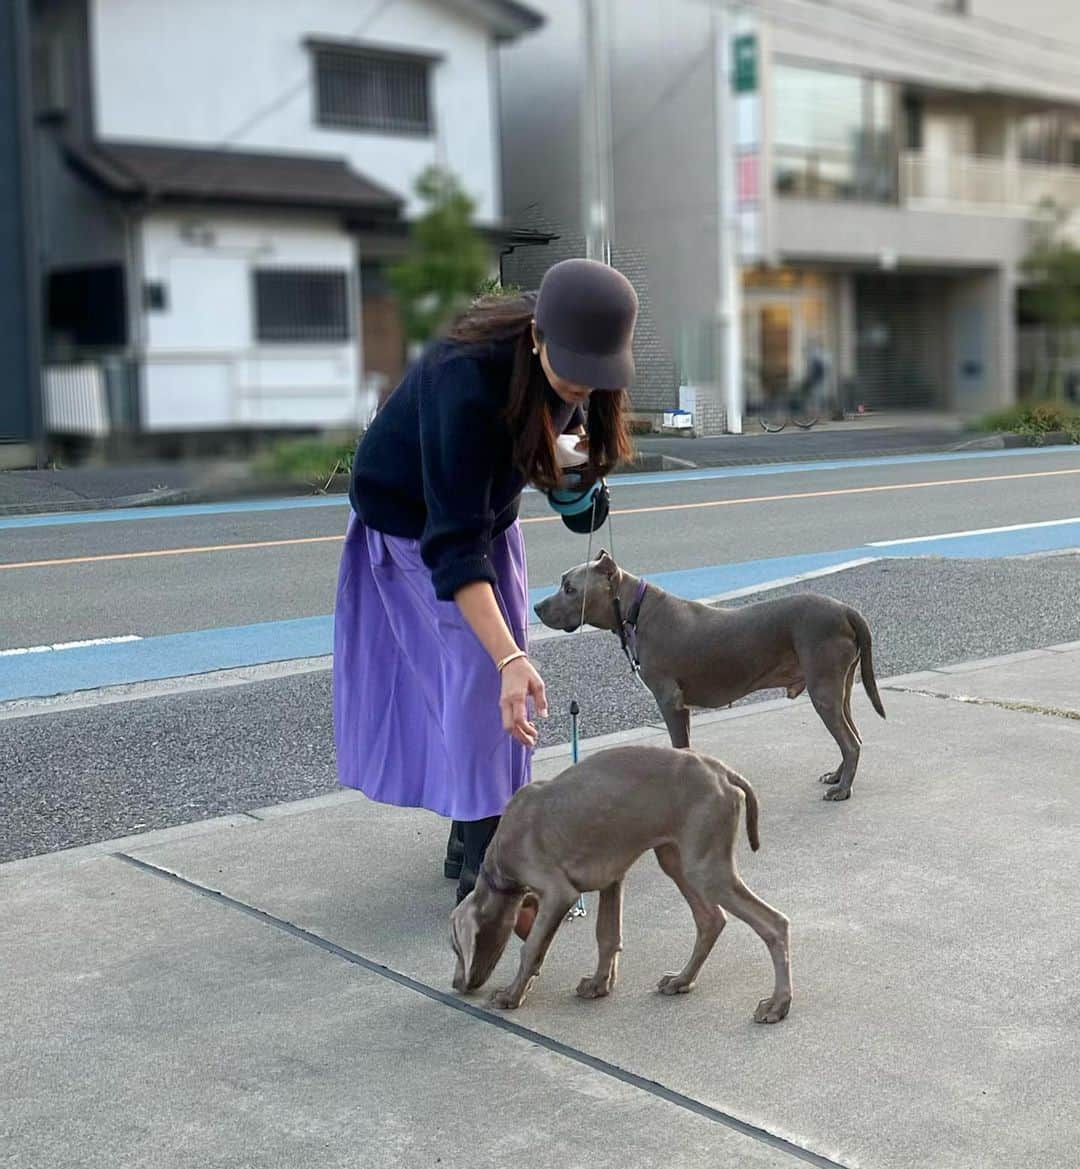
[[436, 463]]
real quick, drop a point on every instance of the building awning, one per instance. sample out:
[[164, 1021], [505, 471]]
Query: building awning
[[168, 174], [520, 237], [502, 236]]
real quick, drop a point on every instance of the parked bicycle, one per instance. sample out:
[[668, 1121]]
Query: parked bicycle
[[799, 403]]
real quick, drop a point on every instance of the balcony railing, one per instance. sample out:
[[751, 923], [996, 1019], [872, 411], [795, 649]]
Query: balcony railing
[[865, 176], [986, 184]]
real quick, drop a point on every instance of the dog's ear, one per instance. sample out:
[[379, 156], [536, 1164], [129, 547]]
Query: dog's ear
[[463, 939], [605, 564]]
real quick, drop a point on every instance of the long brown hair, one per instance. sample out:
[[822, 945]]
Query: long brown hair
[[501, 318]]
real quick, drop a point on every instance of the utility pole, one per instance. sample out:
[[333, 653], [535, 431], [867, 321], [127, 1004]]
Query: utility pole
[[729, 306], [597, 169]]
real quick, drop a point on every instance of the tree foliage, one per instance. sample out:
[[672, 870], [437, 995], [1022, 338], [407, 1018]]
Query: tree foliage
[[448, 261], [1052, 295]]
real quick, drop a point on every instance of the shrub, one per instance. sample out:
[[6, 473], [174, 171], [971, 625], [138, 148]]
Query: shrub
[[1035, 418], [313, 461]]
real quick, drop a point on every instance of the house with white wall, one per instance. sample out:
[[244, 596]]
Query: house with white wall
[[890, 162], [221, 186]]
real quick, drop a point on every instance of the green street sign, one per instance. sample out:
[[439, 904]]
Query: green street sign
[[745, 78]]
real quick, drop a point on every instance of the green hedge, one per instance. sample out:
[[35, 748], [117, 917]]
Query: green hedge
[[1035, 419]]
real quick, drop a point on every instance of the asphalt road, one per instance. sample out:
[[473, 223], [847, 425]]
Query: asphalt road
[[95, 773], [182, 572], [80, 775]]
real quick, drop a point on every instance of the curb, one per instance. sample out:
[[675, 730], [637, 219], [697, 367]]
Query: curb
[[80, 854], [166, 495], [266, 489], [646, 463], [1012, 441]]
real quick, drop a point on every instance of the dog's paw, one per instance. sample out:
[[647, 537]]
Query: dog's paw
[[829, 777], [505, 1000], [772, 1010], [839, 792], [675, 984], [594, 987]]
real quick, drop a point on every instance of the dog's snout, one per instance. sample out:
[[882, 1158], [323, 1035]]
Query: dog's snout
[[537, 607]]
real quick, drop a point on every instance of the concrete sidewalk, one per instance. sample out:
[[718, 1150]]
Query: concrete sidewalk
[[272, 989], [90, 487], [865, 437]]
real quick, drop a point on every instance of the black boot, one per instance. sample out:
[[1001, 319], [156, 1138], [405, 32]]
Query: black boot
[[476, 836], [455, 852]]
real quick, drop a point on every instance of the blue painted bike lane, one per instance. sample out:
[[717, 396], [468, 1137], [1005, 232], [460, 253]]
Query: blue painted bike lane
[[64, 671]]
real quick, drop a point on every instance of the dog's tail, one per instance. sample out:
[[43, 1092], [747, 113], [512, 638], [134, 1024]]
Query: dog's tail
[[751, 807], [864, 641]]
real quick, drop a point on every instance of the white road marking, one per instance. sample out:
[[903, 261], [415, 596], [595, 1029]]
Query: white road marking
[[784, 581], [974, 532], [542, 633], [62, 645]]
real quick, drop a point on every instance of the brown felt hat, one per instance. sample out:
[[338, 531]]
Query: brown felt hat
[[585, 313]]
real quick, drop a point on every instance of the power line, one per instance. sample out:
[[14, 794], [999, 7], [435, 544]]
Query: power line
[[666, 94], [913, 56], [1065, 48], [274, 104], [990, 59]]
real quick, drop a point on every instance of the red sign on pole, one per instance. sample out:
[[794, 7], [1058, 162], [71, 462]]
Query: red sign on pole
[[748, 179]]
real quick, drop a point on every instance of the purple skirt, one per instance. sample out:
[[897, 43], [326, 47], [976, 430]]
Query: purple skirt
[[416, 697]]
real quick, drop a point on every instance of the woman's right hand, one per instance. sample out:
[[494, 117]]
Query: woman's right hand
[[520, 682]]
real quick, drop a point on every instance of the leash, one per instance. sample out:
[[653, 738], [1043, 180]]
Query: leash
[[626, 626], [627, 629], [579, 909], [588, 559]]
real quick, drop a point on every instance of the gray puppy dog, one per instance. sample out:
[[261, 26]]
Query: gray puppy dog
[[697, 655], [581, 831]]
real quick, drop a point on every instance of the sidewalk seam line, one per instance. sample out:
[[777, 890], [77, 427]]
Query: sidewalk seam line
[[538, 1038], [999, 703]]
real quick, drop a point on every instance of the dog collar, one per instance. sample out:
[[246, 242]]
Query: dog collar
[[627, 626]]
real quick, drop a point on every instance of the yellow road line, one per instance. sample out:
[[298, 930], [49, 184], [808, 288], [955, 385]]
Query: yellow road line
[[709, 503], [845, 491], [169, 552]]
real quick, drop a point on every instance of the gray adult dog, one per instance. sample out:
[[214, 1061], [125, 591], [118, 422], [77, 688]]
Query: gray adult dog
[[696, 655], [581, 832]]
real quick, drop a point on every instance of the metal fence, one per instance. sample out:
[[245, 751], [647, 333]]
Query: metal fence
[[986, 182], [91, 399]]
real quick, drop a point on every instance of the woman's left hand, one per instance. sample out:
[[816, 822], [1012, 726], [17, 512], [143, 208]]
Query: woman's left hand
[[520, 682]]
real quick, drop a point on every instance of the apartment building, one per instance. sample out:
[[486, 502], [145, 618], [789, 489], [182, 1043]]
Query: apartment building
[[891, 159], [221, 187]]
